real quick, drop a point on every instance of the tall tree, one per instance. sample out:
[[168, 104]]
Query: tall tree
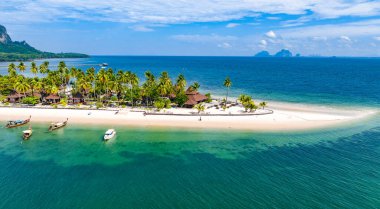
[[21, 67], [12, 72], [33, 68], [180, 83], [227, 83], [44, 67], [22, 86]]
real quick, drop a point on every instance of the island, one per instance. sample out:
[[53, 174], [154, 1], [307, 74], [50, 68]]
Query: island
[[281, 53], [22, 51], [118, 97]]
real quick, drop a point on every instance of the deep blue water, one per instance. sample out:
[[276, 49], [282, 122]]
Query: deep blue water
[[337, 167]]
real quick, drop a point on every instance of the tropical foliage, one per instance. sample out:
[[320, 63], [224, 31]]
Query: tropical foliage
[[104, 86]]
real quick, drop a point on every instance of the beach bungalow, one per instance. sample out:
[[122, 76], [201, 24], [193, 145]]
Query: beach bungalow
[[77, 98], [53, 99], [15, 97], [194, 97]]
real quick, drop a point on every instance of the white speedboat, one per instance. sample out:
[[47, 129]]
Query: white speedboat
[[110, 133]]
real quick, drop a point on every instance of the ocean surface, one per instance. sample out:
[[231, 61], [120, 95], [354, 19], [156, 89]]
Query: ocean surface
[[337, 167]]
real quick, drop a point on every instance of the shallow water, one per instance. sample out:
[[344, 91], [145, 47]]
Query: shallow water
[[160, 168], [336, 167]]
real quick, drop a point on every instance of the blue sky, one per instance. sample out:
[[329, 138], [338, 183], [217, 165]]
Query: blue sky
[[203, 27]]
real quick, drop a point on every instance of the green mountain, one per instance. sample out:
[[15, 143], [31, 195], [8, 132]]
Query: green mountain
[[22, 51]]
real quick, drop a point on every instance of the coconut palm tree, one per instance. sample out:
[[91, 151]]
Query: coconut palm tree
[[149, 87], [34, 69], [263, 104], [21, 67], [246, 101], [51, 89], [22, 86], [227, 83], [165, 84], [195, 86], [180, 83], [44, 67], [133, 81], [90, 76], [12, 70], [200, 107]]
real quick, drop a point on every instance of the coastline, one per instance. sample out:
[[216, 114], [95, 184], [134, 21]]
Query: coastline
[[284, 118]]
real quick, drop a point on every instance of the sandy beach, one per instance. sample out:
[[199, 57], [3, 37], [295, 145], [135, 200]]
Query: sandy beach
[[284, 117]]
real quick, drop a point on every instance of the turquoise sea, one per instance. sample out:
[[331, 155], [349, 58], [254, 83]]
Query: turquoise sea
[[337, 167]]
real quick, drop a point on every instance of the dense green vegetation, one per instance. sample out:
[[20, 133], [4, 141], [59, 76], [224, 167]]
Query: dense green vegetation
[[21, 51], [100, 88], [105, 87]]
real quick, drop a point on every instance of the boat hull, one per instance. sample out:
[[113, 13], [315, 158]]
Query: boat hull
[[17, 125], [52, 128]]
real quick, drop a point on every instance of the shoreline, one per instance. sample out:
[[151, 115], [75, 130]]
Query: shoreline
[[284, 118]]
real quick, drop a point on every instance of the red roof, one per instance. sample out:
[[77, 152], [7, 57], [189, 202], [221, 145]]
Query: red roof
[[53, 96], [191, 91], [15, 95]]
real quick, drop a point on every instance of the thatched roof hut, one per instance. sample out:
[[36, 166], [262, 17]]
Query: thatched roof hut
[[194, 97], [53, 98], [15, 97]]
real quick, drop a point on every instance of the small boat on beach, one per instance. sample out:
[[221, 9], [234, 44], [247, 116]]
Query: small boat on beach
[[16, 123], [57, 125], [27, 133], [110, 133]]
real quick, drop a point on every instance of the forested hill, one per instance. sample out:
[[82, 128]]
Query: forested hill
[[22, 51]]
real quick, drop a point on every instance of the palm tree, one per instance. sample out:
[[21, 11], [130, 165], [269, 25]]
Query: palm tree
[[44, 67], [227, 83], [165, 84], [12, 70], [21, 67], [51, 89], [149, 87], [90, 76], [246, 101], [34, 69], [180, 83], [133, 81], [195, 86], [22, 86], [263, 104], [200, 107]]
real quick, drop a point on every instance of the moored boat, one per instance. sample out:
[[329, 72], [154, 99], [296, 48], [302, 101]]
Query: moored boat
[[110, 133], [57, 125], [27, 133], [16, 123]]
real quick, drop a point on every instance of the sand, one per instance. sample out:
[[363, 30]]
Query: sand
[[284, 117]]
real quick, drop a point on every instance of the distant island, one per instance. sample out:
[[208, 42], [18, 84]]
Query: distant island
[[22, 51], [281, 53]]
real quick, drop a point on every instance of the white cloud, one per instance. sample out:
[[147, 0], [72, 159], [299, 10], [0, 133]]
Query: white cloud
[[177, 12], [224, 45], [203, 38], [141, 28], [319, 38], [263, 44], [271, 34], [232, 25], [345, 39], [353, 29], [377, 38]]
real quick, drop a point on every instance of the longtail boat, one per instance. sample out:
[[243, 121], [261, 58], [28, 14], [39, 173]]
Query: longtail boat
[[27, 133], [16, 123], [57, 125]]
